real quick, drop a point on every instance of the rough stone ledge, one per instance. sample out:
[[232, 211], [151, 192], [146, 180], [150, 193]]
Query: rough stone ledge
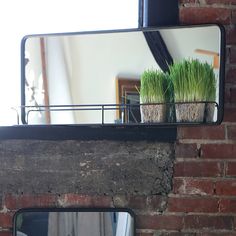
[[87, 167]]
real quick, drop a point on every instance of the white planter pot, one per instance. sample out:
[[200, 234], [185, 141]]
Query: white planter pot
[[209, 112], [153, 113], [190, 112]]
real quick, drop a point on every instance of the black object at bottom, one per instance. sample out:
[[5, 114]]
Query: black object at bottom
[[159, 13]]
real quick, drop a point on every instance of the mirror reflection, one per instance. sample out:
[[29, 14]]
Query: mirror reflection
[[74, 223], [94, 78]]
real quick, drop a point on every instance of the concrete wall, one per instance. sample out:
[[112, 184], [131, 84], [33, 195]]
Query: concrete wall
[[86, 167]]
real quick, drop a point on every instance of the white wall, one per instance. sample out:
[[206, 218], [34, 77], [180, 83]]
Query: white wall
[[97, 60], [33, 73], [182, 43], [58, 80]]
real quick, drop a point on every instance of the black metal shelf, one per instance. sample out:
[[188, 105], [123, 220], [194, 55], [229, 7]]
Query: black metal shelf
[[126, 131], [103, 108]]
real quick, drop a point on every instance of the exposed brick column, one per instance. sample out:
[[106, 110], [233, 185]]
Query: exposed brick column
[[204, 190], [203, 200]]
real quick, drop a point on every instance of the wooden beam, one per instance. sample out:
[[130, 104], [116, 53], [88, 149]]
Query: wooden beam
[[216, 57]]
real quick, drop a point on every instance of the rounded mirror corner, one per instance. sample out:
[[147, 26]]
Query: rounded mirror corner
[[74, 221]]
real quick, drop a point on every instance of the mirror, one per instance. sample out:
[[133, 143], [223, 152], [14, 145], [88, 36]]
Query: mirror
[[74, 222], [94, 77]]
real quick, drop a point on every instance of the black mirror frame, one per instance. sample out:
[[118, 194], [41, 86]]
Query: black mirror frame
[[133, 132], [73, 209]]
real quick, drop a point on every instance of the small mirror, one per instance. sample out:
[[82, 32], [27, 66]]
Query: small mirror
[[74, 222], [96, 77]]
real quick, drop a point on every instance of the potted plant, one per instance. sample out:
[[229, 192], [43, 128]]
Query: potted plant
[[191, 85], [153, 96]]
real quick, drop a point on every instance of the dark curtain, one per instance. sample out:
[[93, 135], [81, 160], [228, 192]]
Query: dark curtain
[[164, 60], [159, 50]]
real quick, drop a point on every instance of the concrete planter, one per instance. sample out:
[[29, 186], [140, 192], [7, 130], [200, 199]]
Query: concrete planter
[[190, 112], [209, 112], [155, 113]]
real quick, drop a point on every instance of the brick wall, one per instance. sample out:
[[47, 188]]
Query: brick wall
[[203, 199]]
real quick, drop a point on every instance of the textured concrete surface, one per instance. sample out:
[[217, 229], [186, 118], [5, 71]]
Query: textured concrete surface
[[89, 167]]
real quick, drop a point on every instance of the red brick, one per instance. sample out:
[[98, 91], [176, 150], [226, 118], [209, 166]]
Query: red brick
[[230, 114], [227, 95], [151, 203], [85, 200], [198, 169], [178, 234], [231, 74], [227, 206], [227, 55], [187, 1], [164, 222], [231, 169], [226, 187], [168, 233], [230, 35], [220, 1], [203, 222], [233, 19], [215, 234], [144, 234], [232, 55], [5, 233], [5, 220], [194, 15], [232, 96], [206, 132], [231, 132], [218, 151], [186, 150], [193, 186], [22, 201], [187, 205]]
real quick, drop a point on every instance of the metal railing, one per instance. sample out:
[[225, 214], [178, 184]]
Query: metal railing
[[103, 108]]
